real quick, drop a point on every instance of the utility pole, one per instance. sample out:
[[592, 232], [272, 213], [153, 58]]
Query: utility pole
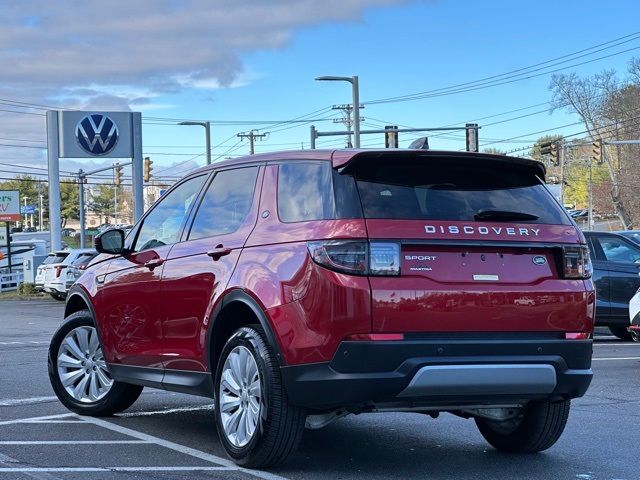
[[252, 136], [40, 213], [81, 178], [590, 211], [346, 109], [562, 158]]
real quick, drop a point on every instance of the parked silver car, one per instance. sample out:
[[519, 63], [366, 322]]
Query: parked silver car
[[54, 273]]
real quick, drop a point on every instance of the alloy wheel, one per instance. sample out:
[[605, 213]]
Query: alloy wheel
[[81, 366], [240, 396]]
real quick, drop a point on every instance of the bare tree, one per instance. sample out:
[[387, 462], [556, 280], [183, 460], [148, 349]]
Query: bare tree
[[608, 107]]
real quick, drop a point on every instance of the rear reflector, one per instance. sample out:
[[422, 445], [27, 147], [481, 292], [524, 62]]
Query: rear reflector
[[376, 337], [577, 335]]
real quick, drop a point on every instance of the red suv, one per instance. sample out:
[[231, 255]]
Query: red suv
[[295, 288]]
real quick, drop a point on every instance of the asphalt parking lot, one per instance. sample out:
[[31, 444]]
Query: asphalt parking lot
[[172, 436]]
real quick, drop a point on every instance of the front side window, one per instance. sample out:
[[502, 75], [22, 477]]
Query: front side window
[[162, 225], [617, 250], [226, 203]]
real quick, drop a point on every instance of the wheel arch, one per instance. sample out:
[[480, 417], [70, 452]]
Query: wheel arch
[[236, 309], [77, 300]]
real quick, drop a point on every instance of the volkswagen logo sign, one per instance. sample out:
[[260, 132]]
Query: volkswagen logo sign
[[97, 134], [539, 260]]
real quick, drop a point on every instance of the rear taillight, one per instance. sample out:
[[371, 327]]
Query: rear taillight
[[58, 270], [576, 262], [357, 257]]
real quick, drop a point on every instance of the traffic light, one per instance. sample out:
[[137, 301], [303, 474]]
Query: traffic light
[[597, 151], [545, 148], [147, 169], [118, 175], [554, 154], [391, 136]]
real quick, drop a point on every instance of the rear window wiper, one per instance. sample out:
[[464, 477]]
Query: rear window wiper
[[503, 215]]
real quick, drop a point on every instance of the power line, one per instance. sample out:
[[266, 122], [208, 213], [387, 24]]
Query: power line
[[499, 78]]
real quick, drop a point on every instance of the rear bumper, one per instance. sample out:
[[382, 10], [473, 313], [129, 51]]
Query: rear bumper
[[366, 375]]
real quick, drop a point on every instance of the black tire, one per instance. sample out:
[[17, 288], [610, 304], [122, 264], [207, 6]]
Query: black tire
[[280, 424], [621, 332], [58, 296], [537, 429], [121, 395]]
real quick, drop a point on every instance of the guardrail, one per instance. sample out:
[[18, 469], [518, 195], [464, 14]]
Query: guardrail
[[10, 281]]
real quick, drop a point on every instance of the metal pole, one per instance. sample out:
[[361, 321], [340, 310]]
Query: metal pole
[[313, 137], [590, 216], [562, 152], [207, 129], [356, 110], [54, 180], [136, 168], [81, 178], [8, 245], [115, 204], [41, 213]]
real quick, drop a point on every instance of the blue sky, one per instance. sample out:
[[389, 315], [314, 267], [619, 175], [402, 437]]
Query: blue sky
[[397, 49]]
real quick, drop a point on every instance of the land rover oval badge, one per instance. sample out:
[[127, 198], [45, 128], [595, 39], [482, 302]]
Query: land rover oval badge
[[539, 260]]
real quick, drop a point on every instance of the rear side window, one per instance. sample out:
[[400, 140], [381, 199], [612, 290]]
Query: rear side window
[[83, 258], [226, 203], [451, 189], [617, 250], [315, 191]]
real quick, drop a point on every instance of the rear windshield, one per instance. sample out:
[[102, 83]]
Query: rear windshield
[[83, 258], [55, 258], [451, 189], [59, 257]]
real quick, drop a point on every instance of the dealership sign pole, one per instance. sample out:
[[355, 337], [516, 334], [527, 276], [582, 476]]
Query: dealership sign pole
[[74, 134], [9, 212]]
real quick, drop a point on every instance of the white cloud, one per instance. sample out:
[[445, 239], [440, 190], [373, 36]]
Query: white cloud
[[148, 47], [123, 53]]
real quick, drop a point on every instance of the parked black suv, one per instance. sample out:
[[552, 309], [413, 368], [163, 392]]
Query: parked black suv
[[616, 274]]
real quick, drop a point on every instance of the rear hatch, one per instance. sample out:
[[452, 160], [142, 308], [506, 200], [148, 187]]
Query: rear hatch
[[54, 267], [483, 246]]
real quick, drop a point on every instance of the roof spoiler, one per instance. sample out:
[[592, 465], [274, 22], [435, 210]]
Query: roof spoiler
[[341, 159]]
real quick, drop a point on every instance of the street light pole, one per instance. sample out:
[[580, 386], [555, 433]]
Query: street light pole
[[355, 94], [207, 132]]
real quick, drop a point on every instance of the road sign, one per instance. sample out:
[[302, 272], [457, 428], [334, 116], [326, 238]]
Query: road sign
[[9, 206], [28, 209]]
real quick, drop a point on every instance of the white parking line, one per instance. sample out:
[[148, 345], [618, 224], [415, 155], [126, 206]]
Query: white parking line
[[30, 342], [207, 457], [616, 358], [10, 402], [71, 442], [631, 344], [30, 419]]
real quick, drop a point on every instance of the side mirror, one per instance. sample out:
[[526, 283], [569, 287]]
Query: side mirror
[[110, 241]]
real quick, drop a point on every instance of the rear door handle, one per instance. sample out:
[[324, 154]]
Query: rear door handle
[[219, 252], [156, 262]]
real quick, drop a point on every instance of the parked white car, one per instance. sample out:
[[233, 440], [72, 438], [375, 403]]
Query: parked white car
[[55, 272], [634, 316]]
